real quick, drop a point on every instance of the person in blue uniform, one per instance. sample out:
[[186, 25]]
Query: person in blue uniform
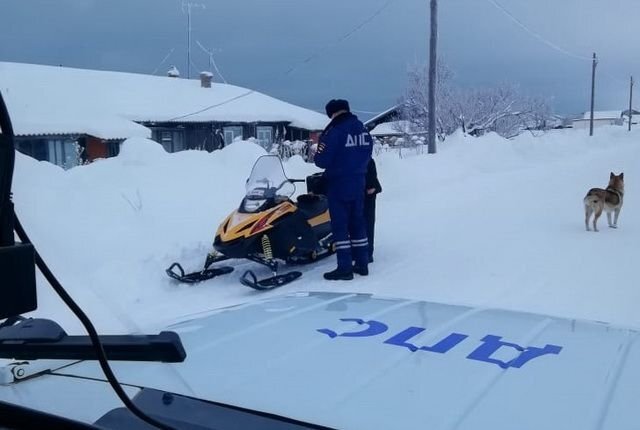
[[344, 151]]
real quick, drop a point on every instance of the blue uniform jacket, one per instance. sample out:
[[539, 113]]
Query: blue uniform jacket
[[344, 152]]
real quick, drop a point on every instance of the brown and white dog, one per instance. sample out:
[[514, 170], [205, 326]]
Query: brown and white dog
[[609, 200]]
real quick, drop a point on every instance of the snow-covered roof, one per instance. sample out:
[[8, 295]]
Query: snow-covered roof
[[37, 120], [57, 100], [381, 115], [609, 114], [393, 128]]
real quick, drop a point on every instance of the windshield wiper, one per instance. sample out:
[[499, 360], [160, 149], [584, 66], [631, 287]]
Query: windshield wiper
[[18, 294], [32, 339]]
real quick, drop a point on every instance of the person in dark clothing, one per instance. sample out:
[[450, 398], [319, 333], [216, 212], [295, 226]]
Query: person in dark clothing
[[372, 189], [344, 151]]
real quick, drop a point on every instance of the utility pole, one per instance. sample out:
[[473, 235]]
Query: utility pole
[[433, 43], [189, 41], [593, 91], [630, 103]]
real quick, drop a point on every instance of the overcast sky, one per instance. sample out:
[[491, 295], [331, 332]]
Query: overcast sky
[[257, 42]]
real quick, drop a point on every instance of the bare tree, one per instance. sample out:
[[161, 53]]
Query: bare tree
[[502, 109], [415, 103]]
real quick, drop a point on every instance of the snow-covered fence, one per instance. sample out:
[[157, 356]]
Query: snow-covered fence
[[404, 146], [288, 149]]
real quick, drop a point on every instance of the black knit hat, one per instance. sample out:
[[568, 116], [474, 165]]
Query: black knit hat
[[336, 105]]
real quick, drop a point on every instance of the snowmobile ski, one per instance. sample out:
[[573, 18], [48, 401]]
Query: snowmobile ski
[[250, 280], [176, 272], [270, 227]]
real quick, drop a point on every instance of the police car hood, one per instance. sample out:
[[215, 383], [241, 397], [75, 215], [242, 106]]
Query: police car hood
[[355, 361]]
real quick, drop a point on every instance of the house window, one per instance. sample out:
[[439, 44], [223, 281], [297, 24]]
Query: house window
[[166, 140], [171, 140], [264, 136], [63, 153], [36, 148], [113, 148], [232, 133]]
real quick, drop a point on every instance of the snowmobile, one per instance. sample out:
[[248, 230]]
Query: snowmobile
[[269, 228]]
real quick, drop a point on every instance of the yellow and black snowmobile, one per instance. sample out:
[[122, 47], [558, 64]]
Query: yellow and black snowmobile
[[268, 228]]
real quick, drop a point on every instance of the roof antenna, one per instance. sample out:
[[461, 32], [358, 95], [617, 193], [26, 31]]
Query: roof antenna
[[186, 8], [212, 61]]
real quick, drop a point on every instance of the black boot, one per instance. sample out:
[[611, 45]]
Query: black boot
[[339, 275], [361, 270]]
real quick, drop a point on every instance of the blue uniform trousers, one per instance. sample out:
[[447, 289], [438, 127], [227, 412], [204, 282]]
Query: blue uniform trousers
[[349, 230]]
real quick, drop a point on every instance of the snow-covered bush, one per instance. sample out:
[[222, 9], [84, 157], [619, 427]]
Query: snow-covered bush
[[502, 109]]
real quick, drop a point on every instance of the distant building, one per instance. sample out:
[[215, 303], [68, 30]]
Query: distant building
[[388, 128], [60, 113], [635, 116], [558, 122], [391, 129], [390, 115], [600, 118]]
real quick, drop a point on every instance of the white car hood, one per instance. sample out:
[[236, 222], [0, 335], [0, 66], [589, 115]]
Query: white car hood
[[353, 361]]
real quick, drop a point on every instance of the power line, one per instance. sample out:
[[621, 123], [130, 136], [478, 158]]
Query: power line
[[302, 63], [537, 35], [213, 106], [342, 39]]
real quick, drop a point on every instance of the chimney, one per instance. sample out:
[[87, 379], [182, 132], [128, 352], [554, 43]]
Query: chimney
[[205, 79]]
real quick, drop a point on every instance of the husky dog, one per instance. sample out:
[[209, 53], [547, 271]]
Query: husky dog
[[609, 200]]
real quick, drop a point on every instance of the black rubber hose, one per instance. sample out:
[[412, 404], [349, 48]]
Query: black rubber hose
[[7, 162], [93, 334], [9, 221]]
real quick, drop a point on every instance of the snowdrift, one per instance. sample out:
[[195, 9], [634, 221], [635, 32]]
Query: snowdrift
[[485, 222]]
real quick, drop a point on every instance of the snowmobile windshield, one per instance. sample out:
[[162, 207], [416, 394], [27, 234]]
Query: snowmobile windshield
[[267, 180]]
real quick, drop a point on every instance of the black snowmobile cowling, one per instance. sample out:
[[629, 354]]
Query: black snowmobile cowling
[[268, 227]]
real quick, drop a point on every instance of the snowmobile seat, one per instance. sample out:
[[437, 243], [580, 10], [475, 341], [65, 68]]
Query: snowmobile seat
[[312, 205], [317, 184]]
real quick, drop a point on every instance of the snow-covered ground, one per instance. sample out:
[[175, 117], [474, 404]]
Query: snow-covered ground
[[486, 222]]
